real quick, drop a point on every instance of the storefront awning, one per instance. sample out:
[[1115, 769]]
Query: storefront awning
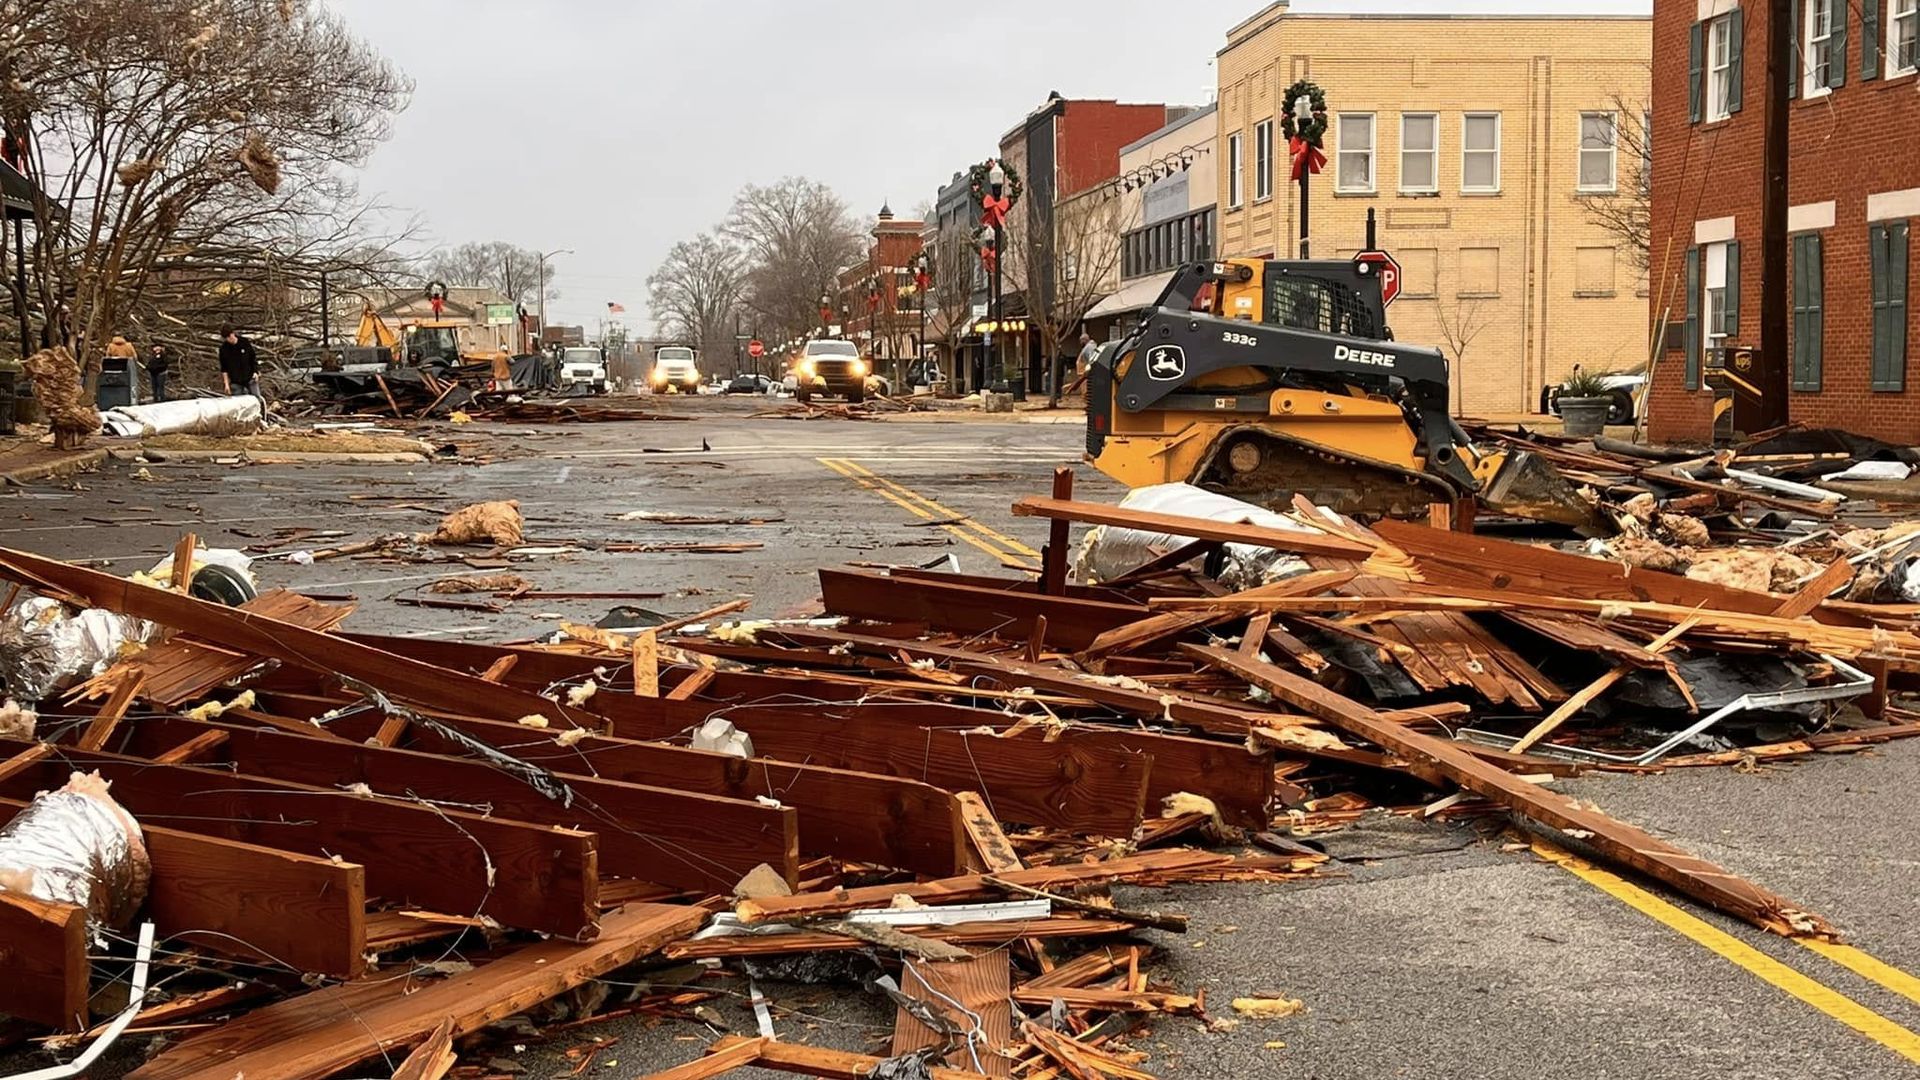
[[1133, 296]]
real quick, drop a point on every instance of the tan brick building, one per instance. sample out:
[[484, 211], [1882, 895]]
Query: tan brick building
[[1478, 141]]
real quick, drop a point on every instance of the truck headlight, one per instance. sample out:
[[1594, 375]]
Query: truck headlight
[[859, 367], [806, 369]]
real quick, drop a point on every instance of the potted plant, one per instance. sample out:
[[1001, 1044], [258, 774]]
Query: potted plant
[[1583, 403]]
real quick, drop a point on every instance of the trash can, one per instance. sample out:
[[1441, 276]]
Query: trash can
[[7, 377], [116, 383]]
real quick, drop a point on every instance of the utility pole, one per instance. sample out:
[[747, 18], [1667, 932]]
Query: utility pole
[[1772, 378]]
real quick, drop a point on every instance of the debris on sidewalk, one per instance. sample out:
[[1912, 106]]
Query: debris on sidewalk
[[952, 773]]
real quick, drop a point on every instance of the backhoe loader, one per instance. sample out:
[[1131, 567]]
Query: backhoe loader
[[1263, 379]]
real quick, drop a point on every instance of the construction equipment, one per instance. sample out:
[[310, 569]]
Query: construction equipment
[[438, 344], [1264, 379]]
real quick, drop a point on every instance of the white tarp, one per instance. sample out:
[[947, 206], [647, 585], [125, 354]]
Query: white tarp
[[237, 415], [1109, 552]]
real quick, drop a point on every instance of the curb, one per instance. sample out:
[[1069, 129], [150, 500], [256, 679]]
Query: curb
[[76, 461]]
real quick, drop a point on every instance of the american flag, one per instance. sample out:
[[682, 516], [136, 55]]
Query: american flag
[[616, 309]]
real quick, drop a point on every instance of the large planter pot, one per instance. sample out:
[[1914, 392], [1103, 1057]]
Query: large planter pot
[[1583, 417]]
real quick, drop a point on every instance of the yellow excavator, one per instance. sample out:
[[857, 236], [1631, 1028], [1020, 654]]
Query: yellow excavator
[[1262, 379]]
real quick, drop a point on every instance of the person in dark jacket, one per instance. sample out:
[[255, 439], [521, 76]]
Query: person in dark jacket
[[239, 365], [159, 363]]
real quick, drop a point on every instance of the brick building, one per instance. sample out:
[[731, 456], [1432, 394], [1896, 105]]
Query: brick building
[[1853, 181], [1482, 143], [880, 298]]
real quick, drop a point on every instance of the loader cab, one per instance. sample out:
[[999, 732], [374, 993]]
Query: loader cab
[[1331, 296]]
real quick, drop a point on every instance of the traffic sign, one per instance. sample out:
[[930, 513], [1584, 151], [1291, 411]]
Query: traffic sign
[[755, 349], [1383, 264]]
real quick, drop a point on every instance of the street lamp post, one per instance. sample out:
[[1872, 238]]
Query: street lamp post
[[544, 256], [920, 280], [997, 185]]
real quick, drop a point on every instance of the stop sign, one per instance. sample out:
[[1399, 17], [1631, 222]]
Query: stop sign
[[1379, 262], [755, 349]]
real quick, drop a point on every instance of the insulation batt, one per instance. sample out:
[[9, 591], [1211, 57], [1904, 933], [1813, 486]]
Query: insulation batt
[[78, 846]]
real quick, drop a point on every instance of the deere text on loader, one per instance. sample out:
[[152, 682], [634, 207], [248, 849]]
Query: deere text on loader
[[1263, 379]]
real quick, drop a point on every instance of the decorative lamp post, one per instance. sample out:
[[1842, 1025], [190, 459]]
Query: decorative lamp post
[[997, 188], [873, 320], [1303, 120], [921, 279], [826, 312]]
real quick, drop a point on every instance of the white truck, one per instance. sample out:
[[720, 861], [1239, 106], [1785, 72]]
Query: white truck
[[675, 367], [582, 367]]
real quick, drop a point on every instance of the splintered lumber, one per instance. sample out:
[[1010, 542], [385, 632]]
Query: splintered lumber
[[991, 847], [431, 1059], [1585, 696], [182, 669], [525, 876], [1006, 612], [969, 887], [1087, 968], [399, 677], [979, 986], [651, 833], [108, 718], [322, 1032], [1144, 1001], [886, 820], [1301, 542], [252, 902], [988, 934], [1615, 839], [1837, 574], [1176, 924], [826, 1064], [44, 947], [718, 1061]]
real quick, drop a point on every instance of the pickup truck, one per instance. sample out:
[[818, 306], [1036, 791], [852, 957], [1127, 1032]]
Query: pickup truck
[[830, 367]]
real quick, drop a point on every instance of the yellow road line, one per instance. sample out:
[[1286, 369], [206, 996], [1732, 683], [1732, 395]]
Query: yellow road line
[[1824, 998], [1869, 967], [1004, 540], [841, 466]]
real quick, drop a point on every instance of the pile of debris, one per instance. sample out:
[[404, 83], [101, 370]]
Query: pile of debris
[[866, 409], [390, 844]]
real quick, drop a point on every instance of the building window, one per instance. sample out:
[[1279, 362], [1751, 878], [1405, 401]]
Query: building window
[[1235, 194], [1163, 245], [1720, 68], [1420, 152], [1419, 272], [1263, 160], [1354, 170], [1903, 37], [1808, 319], [1596, 151], [1480, 152], [1818, 53], [1714, 294], [1887, 256]]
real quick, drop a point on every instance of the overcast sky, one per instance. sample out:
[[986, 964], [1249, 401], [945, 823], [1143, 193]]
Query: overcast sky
[[617, 127]]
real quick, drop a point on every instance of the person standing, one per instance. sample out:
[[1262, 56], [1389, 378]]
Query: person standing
[[239, 365], [159, 363]]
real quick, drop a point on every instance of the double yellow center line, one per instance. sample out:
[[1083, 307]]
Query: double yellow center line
[[1003, 548]]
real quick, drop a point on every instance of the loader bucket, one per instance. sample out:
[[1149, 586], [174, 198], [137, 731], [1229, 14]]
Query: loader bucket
[[1525, 485]]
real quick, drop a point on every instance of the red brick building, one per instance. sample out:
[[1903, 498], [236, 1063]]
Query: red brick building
[[1853, 195], [880, 297]]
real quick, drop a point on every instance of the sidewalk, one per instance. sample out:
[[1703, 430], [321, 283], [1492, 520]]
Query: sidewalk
[[28, 461]]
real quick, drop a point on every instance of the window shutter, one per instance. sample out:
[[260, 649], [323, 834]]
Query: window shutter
[[1733, 288], [1837, 71], [1696, 72], [1869, 39], [1887, 244], [1736, 48], [1793, 40], [1816, 311], [1690, 335], [1808, 320], [1799, 346]]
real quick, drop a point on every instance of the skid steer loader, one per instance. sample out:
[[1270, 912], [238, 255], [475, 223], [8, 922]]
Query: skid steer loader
[[1261, 379]]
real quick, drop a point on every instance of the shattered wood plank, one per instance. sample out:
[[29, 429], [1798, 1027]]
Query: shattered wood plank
[[1162, 565], [1617, 840], [827, 1064], [1173, 924], [100, 728], [1829, 581], [1299, 543], [1087, 968], [44, 945], [183, 668], [434, 1057], [526, 876], [1007, 613], [1585, 695], [646, 663], [721, 1058], [979, 986], [193, 749], [990, 844], [322, 1032], [183, 550], [1080, 1061], [19, 762], [988, 934], [652, 833], [1145, 1001], [968, 887], [1053, 557], [401, 678]]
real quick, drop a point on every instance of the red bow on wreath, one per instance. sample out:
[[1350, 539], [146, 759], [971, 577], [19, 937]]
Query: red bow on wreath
[[1305, 156], [989, 258], [993, 212], [922, 280]]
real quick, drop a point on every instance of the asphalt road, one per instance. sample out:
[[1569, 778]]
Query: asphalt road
[[1429, 954]]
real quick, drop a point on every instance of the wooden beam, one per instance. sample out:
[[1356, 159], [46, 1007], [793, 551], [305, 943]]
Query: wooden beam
[[525, 876], [1053, 559], [992, 850], [829, 1064], [1585, 696], [1072, 622], [100, 728], [986, 934], [979, 986], [434, 1057], [20, 761], [193, 749], [328, 1030], [44, 948], [654, 834], [1616, 840], [646, 663], [720, 1058], [183, 549], [1301, 542], [1811, 595]]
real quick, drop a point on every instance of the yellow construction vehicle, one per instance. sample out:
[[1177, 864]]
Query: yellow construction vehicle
[[1263, 379]]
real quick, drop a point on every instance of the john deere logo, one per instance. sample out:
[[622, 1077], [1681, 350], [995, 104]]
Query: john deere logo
[[1166, 363]]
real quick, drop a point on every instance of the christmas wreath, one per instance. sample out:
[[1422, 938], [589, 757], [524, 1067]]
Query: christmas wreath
[[977, 177], [1304, 132]]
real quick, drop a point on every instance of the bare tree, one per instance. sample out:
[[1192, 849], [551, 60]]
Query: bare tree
[[797, 236], [163, 129], [1065, 269], [1460, 321], [956, 263], [1626, 213], [695, 293], [511, 270]]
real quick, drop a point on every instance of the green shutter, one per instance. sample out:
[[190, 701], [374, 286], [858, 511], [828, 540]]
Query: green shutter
[[1736, 48], [1888, 246], [1733, 288], [1696, 72], [1690, 335], [1808, 319], [1793, 41], [1869, 39], [1837, 71]]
